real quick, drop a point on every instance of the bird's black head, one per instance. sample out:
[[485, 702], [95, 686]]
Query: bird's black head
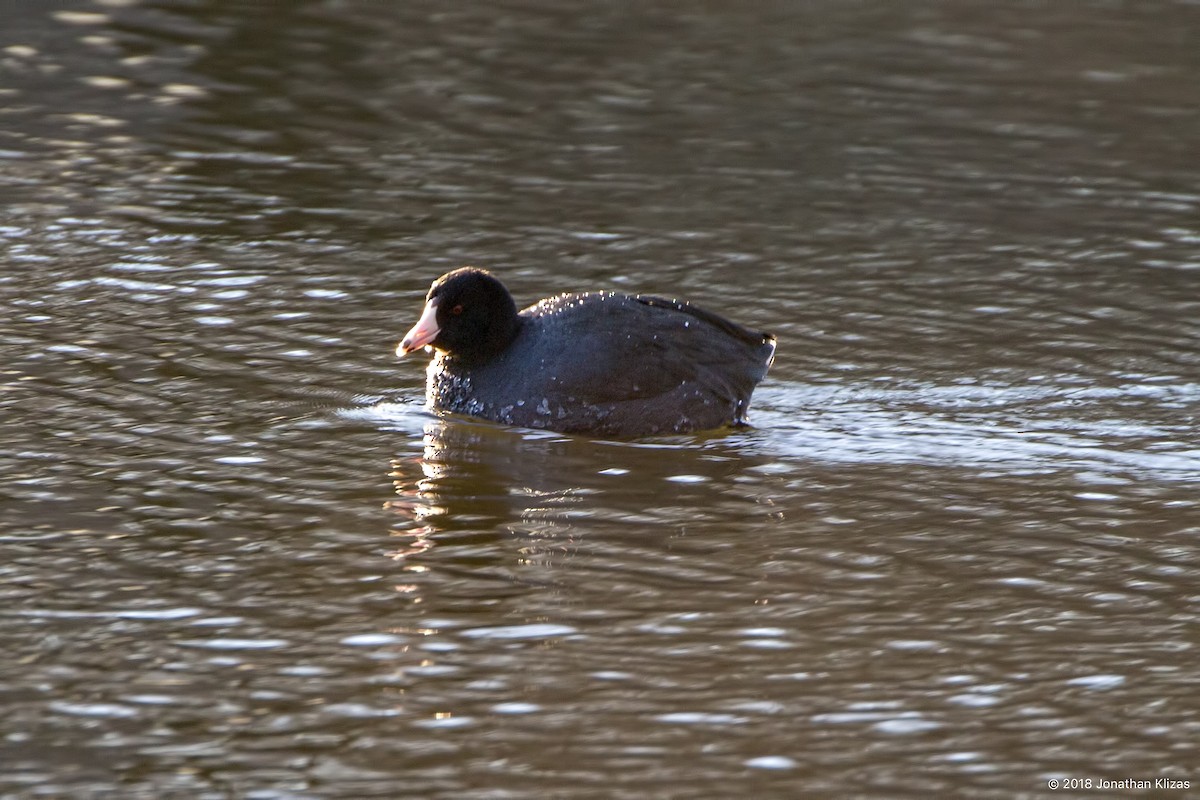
[[468, 314]]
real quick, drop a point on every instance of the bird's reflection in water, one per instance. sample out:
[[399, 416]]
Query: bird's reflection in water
[[485, 512], [476, 482]]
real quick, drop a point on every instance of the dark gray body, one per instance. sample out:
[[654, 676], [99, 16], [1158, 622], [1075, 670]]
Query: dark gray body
[[609, 364]]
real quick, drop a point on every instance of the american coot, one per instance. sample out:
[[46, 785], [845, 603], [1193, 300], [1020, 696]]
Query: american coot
[[599, 363]]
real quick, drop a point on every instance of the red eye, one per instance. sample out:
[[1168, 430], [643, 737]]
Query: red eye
[[458, 309]]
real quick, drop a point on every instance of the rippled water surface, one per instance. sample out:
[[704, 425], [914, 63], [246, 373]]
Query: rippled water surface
[[956, 554]]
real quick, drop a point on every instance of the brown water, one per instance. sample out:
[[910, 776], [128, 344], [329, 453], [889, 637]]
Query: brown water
[[957, 554]]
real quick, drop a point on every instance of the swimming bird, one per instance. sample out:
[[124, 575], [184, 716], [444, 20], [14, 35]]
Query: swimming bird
[[595, 363]]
